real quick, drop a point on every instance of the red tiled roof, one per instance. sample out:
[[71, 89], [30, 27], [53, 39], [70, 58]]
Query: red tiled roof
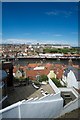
[[21, 67], [33, 65], [48, 65], [58, 65], [33, 73], [57, 68], [59, 74], [76, 66]]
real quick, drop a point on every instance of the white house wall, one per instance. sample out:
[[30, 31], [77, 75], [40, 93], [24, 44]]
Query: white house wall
[[41, 109], [54, 86], [64, 79], [37, 109], [71, 80], [18, 74], [0, 116], [45, 107], [12, 113], [49, 97]]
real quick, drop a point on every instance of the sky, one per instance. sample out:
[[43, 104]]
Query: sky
[[40, 22]]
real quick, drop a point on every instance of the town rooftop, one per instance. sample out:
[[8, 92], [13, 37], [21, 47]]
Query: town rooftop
[[42, 91]]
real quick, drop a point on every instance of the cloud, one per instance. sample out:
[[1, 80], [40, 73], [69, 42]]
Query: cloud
[[52, 13], [47, 33], [0, 41], [29, 41], [68, 42], [57, 35], [59, 12], [19, 41], [41, 41], [74, 33], [67, 14]]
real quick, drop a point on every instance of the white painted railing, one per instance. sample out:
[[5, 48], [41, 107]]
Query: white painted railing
[[11, 111], [10, 107], [71, 106], [53, 86], [68, 90], [33, 109], [42, 109], [75, 104], [45, 107]]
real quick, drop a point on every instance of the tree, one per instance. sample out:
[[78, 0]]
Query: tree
[[43, 78], [57, 82]]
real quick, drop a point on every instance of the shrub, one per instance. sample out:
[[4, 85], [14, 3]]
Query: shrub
[[16, 79], [57, 82], [19, 79], [36, 83], [43, 78]]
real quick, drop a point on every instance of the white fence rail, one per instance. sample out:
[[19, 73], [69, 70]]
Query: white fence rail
[[71, 106], [38, 109], [41, 109], [54, 86], [49, 106]]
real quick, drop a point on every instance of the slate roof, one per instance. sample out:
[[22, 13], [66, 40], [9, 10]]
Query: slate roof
[[75, 71]]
